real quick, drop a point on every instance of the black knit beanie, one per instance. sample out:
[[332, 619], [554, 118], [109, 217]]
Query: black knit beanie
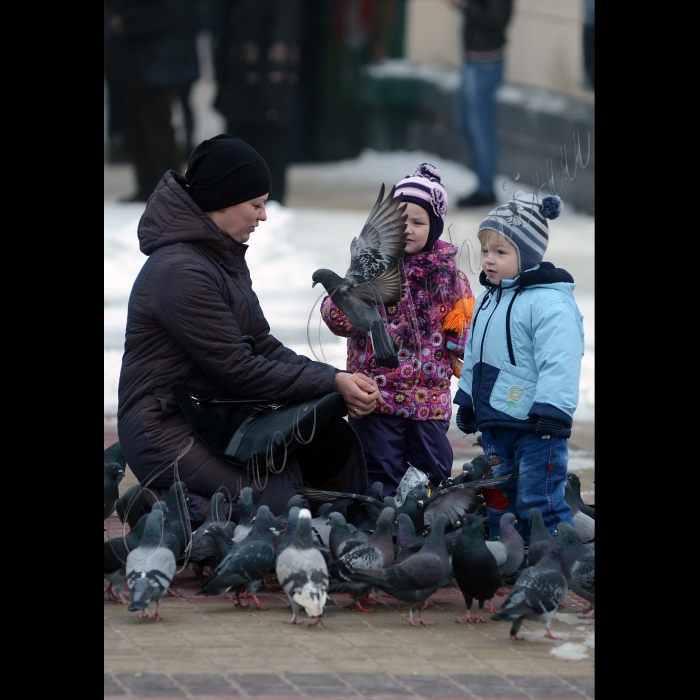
[[225, 170]]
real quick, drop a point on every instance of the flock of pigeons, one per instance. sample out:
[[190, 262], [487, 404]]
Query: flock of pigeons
[[359, 544]]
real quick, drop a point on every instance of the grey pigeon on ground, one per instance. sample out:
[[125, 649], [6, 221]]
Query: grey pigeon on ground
[[247, 513], [283, 540], [201, 547], [415, 579], [374, 276], [583, 524], [177, 515], [540, 537], [511, 542], [320, 526], [248, 562], [578, 562], [302, 573], [537, 593], [474, 567], [414, 507], [407, 541], [585, 508], [114, 473], [343, 537], [376, 553], [150, 567], [131, 506]]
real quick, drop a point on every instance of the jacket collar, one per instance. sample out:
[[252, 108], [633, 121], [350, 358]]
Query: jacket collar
[[544, 273]]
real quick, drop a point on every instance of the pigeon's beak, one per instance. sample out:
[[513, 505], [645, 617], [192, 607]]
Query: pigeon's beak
[[314, 284]]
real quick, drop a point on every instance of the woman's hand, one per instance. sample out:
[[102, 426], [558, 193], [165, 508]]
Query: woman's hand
[[361, 393]]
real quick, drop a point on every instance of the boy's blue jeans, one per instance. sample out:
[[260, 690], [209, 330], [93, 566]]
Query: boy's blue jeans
[[542, 463]]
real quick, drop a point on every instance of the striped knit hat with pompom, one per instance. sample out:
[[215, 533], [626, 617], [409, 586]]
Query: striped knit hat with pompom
[[523, 221], [424, 188]]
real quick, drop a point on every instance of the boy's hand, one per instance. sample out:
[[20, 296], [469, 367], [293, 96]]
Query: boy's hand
[[548, 426], [466, 421]]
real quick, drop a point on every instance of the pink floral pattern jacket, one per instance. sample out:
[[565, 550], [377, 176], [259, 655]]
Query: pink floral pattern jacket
[[420, 387]]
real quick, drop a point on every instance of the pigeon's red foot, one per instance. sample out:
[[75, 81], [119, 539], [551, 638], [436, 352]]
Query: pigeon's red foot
[[516, 638], [357, 607], [427, 604], [590, 616], [502, 591], [466, 619], [238, 603], [258, 604], [421, 621], [171, 594], [294, 621], [318, 621], [549, 635]]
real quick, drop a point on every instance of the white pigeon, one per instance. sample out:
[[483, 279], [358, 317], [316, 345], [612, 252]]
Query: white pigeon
[[302, 572], [150, 567]]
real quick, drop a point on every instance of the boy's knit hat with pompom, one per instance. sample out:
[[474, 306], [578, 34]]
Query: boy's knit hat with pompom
[[424, 188], [523, 221]]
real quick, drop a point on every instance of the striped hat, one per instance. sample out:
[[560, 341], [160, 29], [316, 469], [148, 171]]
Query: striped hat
[[424, 188], [523, 221]]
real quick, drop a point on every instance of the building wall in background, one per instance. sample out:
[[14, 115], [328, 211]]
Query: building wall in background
[[545, 45]]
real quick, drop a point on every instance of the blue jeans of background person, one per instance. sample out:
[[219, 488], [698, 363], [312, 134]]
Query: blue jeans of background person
[[542, 463], [477, 117], [391, 442]]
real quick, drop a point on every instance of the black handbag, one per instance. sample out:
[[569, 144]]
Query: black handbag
[[252, 433]]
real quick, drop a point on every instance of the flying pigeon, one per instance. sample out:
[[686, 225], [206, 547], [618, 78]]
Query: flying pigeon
[[302, 572], [150, 567], [376, 553], [575, 482], [416, 578], [114, 473], [474, 567], [540, 537], [359, 510], [374, 276], [537, 593], [248, 562], [578, 562], [454, 501]]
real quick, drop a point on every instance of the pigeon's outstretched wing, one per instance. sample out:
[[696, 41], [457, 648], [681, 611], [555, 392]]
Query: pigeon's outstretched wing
[[382, 241], [458, 500]]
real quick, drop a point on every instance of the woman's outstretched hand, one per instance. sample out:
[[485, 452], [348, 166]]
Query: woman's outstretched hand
[[360, 392]]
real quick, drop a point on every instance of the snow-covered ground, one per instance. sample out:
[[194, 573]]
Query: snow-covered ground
[[293, 242]]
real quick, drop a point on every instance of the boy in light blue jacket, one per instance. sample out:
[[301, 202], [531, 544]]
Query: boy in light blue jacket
[[522, 364]]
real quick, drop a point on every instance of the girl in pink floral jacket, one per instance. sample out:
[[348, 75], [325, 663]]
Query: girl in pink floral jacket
[[430, 325]]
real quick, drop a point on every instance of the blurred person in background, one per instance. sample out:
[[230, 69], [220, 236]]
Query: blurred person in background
[[256, 62], [589, 42], [150, 50], [483, 43]]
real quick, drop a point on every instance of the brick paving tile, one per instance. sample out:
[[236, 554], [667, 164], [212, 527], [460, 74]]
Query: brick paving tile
[[374, 684], [150, 684], [319, 683], [432, 686], [199, 684], [112, 687], [262, 683], [483, 686], [545, 687], [586, 685]]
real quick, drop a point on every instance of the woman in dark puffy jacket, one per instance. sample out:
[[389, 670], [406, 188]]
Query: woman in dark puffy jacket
[[190, 310]]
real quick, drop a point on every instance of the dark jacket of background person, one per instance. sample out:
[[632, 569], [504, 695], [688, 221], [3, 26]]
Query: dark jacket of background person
[[485, 23], [189, 307], [257, 63], [256, 58], [157, 47]]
